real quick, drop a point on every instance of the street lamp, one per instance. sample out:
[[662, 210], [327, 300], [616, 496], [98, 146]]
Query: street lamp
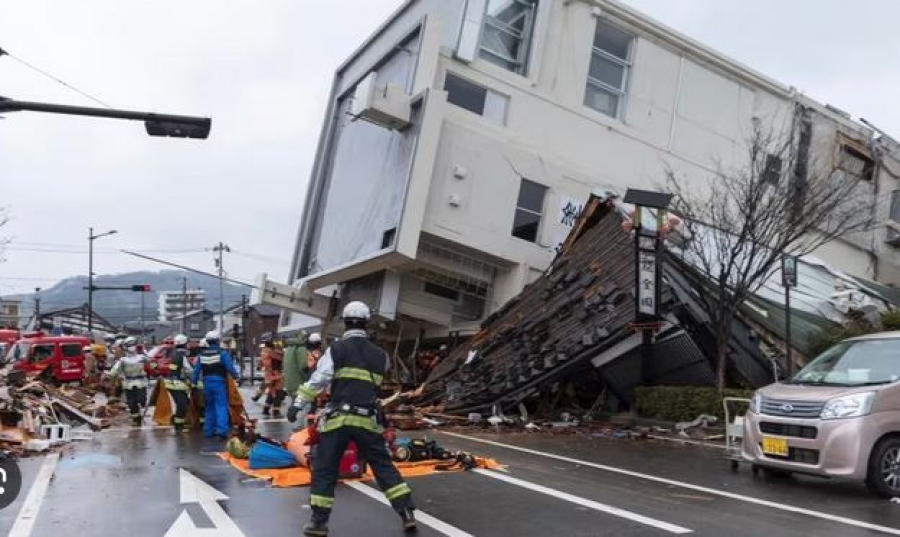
[[90, 312], [167, 125]]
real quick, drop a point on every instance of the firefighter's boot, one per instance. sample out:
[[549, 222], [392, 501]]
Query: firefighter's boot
[[408, 517], [267, 411], [316, 527]]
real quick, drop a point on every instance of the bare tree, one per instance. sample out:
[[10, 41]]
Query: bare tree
[[787, 198]]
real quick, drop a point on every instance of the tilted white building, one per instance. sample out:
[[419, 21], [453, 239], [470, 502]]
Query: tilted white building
[[463, 136]]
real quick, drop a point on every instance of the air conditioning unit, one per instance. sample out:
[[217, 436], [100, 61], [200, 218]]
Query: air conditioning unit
[[387, 105]]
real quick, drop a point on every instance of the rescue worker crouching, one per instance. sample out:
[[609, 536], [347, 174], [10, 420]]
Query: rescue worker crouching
[[214, 364], [130, 369], [353, 369], [176, 381]]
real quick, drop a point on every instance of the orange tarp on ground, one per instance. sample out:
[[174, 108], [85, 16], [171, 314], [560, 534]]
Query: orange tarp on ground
[[301, 476]]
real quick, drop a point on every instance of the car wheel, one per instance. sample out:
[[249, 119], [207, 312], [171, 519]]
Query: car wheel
[[883, 476]]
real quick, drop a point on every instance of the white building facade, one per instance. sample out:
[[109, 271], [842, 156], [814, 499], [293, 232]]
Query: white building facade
[[462, 138], [175, 304]]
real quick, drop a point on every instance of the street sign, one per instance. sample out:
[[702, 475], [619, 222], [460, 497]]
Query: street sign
[[789, 271]]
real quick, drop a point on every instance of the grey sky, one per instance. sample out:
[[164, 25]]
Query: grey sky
[[262, 70]]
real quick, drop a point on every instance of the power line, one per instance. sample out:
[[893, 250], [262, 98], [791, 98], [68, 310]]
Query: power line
[[51, 77], [259, 257]]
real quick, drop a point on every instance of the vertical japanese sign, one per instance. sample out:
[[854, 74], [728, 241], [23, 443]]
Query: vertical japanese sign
[[569, 211], [647, 277]]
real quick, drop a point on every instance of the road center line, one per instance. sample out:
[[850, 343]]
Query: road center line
[[424, 518], [689, 486], [32, 505], [584, 502]]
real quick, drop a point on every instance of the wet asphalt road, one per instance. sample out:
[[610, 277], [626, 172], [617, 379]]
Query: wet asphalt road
[[127, 483]]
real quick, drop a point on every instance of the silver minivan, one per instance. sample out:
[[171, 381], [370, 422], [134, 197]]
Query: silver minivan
[[838, 417]]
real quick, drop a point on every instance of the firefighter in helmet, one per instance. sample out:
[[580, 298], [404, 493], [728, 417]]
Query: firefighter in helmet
[[176, 381], [214, 364], [130, 369], [352, 368]]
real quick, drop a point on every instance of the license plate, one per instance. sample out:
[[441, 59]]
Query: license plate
[[775, 446]]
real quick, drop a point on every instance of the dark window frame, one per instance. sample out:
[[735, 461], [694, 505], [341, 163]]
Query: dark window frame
[[524, 231], [441, 291]]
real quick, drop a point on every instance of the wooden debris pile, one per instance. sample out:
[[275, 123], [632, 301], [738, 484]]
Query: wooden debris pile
[[28, 408]]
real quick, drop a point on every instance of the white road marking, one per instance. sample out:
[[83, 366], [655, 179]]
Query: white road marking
[[584, 502], [424, 518], [32, 505], [689, 486], [194, 490]]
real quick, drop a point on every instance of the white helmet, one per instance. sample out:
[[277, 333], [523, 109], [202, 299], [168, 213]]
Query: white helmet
[[181, 339], [129, 342], [212, 334], [356, 310], [316, 337], [87, 348]]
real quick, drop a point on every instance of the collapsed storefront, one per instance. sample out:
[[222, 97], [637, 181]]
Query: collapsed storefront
[[572, 332]]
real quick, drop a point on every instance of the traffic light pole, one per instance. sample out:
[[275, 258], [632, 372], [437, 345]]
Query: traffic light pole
[[155, 124]]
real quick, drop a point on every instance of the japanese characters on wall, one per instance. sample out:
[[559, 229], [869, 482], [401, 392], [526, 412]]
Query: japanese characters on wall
[[568, 213]]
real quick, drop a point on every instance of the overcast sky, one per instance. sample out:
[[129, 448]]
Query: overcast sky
[[262, 70]]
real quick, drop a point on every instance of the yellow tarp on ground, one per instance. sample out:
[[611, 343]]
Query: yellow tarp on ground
[[301, 476]]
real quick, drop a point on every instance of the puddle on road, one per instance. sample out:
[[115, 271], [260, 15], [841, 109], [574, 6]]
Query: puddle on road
[[88, 460]]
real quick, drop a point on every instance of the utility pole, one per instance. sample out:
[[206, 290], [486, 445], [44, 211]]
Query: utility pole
[[220, 249], [90, 304], [184, 305], [37, 308], [243, 327], [143, 331]]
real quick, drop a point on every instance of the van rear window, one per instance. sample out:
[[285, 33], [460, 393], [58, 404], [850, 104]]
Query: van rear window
[[71, 350]]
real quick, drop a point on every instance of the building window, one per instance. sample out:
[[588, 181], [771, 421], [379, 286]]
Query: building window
[[507, 33], [529, 210], [610, 65], [856, 163], [895, 206], [475, 98], [195, 326], [772, 172], [441, 291]]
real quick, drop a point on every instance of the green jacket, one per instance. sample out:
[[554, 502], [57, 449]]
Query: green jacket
[[295, 371]]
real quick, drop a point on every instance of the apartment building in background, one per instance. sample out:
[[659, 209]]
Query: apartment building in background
[[175, 304], [462, 138], [10, 313]]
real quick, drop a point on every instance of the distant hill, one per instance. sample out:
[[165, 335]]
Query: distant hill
[[119, 307]]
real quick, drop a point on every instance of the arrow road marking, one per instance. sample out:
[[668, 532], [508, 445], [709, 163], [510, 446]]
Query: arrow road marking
[[195, 490]]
